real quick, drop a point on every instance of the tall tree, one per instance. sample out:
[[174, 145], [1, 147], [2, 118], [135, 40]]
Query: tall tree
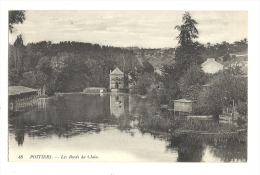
[[188, 52], [188, 31], [16, 17], [18, 44]]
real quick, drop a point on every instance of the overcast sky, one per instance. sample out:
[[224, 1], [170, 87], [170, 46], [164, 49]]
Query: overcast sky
[[149, 29]]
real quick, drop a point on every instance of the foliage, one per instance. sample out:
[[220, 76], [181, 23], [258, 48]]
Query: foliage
[[165, 124], [188, 52], [147, 67], [170, 79], [224, 88], [193, 92], [143, 84], [193, 76], [29, 79], [226, 57], [187, 56], [66, 66], [242, 108], [15, 17], [206, 125], [18, 52], [156, 123], [188, 31], [234, 70]]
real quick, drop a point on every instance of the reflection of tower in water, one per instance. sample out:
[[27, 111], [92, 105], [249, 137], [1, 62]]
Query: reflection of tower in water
[[117, 105]]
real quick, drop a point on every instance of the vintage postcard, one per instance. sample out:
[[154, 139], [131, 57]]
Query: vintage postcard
[[136, 86]]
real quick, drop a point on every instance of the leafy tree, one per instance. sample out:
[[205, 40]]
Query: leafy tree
[[29, 79], [18, 44], [224, 89], [147, 67], [16, 17], [44, 75], [242, 108], [143, 84], [188, 30], [226, 57], [234, 70], [223, 49], [193, 76], [188, 52], [14, 77]]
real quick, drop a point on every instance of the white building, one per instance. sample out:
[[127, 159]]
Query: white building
[[211, 66]]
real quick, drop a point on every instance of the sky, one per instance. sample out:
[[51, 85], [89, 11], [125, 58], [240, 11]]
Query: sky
[[145, 29]]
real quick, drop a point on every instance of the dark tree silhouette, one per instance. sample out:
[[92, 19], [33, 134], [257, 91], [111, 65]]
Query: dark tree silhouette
[[16, 17], [17, 47], [188, 31]]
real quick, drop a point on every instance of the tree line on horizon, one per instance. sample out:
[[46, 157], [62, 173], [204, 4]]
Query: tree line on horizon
[[66, 66]]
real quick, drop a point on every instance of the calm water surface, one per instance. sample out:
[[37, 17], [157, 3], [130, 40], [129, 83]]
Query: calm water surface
[[100, 129]]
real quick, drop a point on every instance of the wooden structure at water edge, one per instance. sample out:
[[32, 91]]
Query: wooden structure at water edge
[[21, 97], [183, 106]]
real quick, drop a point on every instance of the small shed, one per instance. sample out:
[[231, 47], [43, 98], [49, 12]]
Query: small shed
[[183, 106]]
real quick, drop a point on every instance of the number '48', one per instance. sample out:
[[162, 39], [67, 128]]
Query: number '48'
[[20, 157]]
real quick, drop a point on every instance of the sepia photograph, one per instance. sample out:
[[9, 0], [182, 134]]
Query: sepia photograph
[[128, 86]]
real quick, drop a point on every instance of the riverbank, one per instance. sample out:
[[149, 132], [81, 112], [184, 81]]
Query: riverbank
[[159, 124]]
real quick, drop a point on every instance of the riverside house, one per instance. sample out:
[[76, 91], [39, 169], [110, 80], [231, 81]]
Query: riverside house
[[211, 66], [116, 80]]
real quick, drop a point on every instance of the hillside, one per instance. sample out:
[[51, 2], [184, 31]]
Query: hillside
[[157, 57]]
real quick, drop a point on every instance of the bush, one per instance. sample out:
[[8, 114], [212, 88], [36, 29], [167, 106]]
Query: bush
[[156, 123], [226, 57], [206, 125], [165, 124], [242, 108], [143, 84]]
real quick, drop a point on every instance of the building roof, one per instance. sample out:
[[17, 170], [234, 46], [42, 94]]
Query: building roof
[[211, 66], [116, 71], [184, 100], [16, 90]]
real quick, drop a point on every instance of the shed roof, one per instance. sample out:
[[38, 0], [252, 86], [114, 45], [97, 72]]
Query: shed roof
[[116, 71], [16, 90], [184, 100]]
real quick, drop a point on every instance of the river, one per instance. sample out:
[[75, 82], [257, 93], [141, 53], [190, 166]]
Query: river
[[88, 127]]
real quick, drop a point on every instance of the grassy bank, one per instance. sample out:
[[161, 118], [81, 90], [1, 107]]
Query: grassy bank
[[162, 124]]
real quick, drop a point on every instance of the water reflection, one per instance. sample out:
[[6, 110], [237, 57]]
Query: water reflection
[[74, 115], [191, 147]]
